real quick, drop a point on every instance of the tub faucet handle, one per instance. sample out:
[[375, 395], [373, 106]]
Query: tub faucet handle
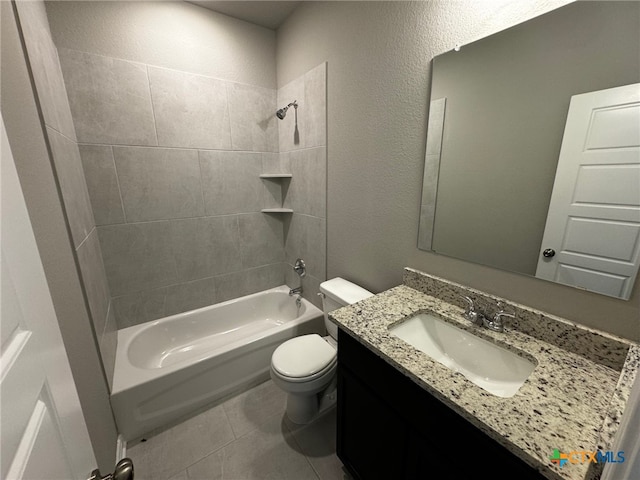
[[300, 268]]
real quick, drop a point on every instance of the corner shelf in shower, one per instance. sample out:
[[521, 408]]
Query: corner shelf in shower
[[276, 176], [277, 210]]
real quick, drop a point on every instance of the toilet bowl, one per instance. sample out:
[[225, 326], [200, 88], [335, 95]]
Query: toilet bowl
[[305, 366]]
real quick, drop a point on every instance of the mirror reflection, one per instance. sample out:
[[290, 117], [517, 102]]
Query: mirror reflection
[[499, 111]]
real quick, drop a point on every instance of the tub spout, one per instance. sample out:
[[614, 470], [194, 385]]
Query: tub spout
[[295, 291]]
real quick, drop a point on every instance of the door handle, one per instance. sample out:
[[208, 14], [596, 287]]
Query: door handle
[[548, 253], [123, 471]]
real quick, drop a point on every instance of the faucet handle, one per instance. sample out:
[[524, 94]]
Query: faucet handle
[[471, 314], [471, 306], [502, 312], [498, 316]]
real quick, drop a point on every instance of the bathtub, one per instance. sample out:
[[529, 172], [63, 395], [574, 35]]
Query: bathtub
[[170, 368]]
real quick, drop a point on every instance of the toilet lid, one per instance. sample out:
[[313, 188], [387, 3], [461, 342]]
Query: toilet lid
[[303, 356]]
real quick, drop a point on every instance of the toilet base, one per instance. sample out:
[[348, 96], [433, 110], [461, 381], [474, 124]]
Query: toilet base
[[303, 409]]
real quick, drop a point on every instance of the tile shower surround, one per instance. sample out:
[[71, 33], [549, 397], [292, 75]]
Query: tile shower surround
[[172, 163], [61, 135]]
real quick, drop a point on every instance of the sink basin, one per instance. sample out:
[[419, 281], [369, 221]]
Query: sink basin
[[495, 369]]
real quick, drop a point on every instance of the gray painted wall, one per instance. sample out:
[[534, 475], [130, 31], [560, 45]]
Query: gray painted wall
[[34, 155], [507, 102], [379, 56]]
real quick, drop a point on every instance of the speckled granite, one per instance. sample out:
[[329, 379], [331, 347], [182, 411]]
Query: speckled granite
[[572, 401], [597, 346]]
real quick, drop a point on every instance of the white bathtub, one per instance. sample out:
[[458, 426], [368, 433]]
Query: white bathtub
[[169, 368]]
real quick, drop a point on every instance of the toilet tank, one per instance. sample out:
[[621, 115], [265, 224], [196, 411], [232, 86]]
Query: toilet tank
[[338, 293]]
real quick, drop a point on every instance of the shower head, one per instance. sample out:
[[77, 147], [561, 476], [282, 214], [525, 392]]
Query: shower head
[[283, 111]]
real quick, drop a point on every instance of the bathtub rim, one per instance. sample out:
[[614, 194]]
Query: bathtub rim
[[128, 376]]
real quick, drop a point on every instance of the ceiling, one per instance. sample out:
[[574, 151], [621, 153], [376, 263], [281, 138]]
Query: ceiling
[[263, 13]]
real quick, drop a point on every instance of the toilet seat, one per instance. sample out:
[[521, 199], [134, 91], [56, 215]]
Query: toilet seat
[[304, 358]]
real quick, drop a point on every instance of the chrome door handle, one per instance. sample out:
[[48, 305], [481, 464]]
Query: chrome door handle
[[123, 471], [548, 253]]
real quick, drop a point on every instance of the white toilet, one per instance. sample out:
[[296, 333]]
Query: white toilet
[[305, 366]]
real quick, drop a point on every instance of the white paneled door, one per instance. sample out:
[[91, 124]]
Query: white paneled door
[[43, 434], [592, 235]]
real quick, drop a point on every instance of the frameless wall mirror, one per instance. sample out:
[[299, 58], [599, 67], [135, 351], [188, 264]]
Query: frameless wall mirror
[[552, 101]]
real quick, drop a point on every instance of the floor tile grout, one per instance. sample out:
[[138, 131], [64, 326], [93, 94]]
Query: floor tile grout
[[286, 433]]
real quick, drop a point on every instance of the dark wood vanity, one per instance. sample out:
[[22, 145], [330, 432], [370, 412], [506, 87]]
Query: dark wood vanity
[[391, 428]]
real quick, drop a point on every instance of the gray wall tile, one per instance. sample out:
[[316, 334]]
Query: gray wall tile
[[307, 192], [94, 279], [109, 99], [252, 113], [231, 182], [289, 133], [275, 163], [109, 345], [102, 183], [137, 256], [305, 237], [275, 190], [66, 158], [190, 110], [261, 239], [205, 246], [47, 74], [315, 119], [190, 295], [159, 183], [246, 282], [139, 307]]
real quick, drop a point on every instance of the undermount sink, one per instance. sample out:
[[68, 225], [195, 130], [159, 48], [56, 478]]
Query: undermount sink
[[495, 369]]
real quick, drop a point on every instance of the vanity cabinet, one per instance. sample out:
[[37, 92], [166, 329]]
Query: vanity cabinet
[[391, 428]]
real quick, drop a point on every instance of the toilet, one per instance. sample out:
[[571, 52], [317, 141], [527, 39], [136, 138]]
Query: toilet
[[305, 366]]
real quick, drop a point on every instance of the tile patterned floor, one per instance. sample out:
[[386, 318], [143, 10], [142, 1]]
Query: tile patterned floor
[[246, 438]]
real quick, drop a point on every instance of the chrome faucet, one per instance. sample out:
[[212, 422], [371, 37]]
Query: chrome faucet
[[480, 319], [295, 291], [471, 314], [497, 325]]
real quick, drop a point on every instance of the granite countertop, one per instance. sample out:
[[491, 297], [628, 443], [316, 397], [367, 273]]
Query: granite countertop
[[572, 401]]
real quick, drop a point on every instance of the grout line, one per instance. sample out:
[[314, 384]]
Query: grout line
[[224, 458], [160, 67], [62, 134], [153, 111], [223, 215], [106, 321], [115, 168], [85, 238], [228, 108], [200, 279], [300, 450], [204, 204], [229, 419], [203, 149]]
